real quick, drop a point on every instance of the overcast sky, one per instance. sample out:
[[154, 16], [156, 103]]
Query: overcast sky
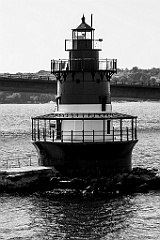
[[32, 32]]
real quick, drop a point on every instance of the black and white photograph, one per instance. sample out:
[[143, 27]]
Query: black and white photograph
[[79, 119]]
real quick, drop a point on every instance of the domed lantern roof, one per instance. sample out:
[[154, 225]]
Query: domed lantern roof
[[83, 26], [83, 31]]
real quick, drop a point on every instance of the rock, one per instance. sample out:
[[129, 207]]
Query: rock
[[88, 191], [89, 188], [94, 180], [143, 188], [138, 180], [46, 179], [146, 177], [78, 183], [119, 186], [54, 181], [130, 183], [75, 183], [132, 180], [154, 183], [15, 177], [143, 171], [120, 177]]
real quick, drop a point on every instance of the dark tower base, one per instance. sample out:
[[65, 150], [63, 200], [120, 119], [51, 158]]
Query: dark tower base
[[84, 159]]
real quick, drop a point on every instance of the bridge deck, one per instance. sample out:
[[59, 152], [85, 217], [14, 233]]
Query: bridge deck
[[47, 84]]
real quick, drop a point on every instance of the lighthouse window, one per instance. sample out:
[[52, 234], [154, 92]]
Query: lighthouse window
[[103, 102], [74, 35], [81, 35], [88, 35], [108, 126]]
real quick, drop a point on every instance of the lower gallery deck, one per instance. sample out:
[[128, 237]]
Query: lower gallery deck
[[87, 151], [84, 127]]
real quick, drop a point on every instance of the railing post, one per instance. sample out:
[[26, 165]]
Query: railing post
[[127, 134], [113, 134], [121, 130], [30, 162], [103, 130], [44, 134], [51, 66], [93, 135], [135, 133], [114, 64], [32, 129], [34, 134], [136, 128], [62, 136], [38, 134], [71, 135], [132, 129], [53, 135], [83, 135], [103, 136], [50, 133], [65, 44]]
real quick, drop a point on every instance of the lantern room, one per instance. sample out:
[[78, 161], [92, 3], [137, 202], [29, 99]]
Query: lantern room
[[83, 36], [83, 48]]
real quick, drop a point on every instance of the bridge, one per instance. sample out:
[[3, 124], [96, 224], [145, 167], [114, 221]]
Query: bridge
[[27, 83], [46, 84], [138, 91]]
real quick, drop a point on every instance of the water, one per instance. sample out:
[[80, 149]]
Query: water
[[44, 216]]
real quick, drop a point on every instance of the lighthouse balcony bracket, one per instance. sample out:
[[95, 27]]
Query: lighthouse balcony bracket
[[85, 64]]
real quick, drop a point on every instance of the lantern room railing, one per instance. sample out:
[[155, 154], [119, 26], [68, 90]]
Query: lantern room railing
[[87, 64]]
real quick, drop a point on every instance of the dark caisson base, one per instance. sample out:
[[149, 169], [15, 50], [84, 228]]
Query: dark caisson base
[[85, 159]]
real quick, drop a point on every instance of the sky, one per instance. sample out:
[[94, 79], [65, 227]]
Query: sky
[[32, 32]]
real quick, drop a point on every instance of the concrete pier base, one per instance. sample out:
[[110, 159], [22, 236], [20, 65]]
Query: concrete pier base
[[26, 179]]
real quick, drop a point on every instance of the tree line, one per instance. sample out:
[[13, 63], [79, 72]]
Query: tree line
[[137, 76], [124, 76], [6, 97]]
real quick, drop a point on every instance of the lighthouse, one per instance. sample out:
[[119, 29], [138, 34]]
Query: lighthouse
[[84, 136]]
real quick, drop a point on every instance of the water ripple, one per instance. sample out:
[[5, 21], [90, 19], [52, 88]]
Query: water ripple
[[42, 216]]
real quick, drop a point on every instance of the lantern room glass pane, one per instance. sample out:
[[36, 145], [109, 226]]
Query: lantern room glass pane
[[82, 35], [88, 35]]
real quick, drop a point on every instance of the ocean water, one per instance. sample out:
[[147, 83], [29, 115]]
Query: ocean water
[[44, 216]]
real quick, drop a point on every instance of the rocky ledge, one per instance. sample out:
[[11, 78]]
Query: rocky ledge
[[45, 180], [139, 180]]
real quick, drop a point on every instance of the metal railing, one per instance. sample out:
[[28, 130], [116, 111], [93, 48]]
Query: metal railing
[[83, 64], [27, 77], [18, 162], [115, 135]]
